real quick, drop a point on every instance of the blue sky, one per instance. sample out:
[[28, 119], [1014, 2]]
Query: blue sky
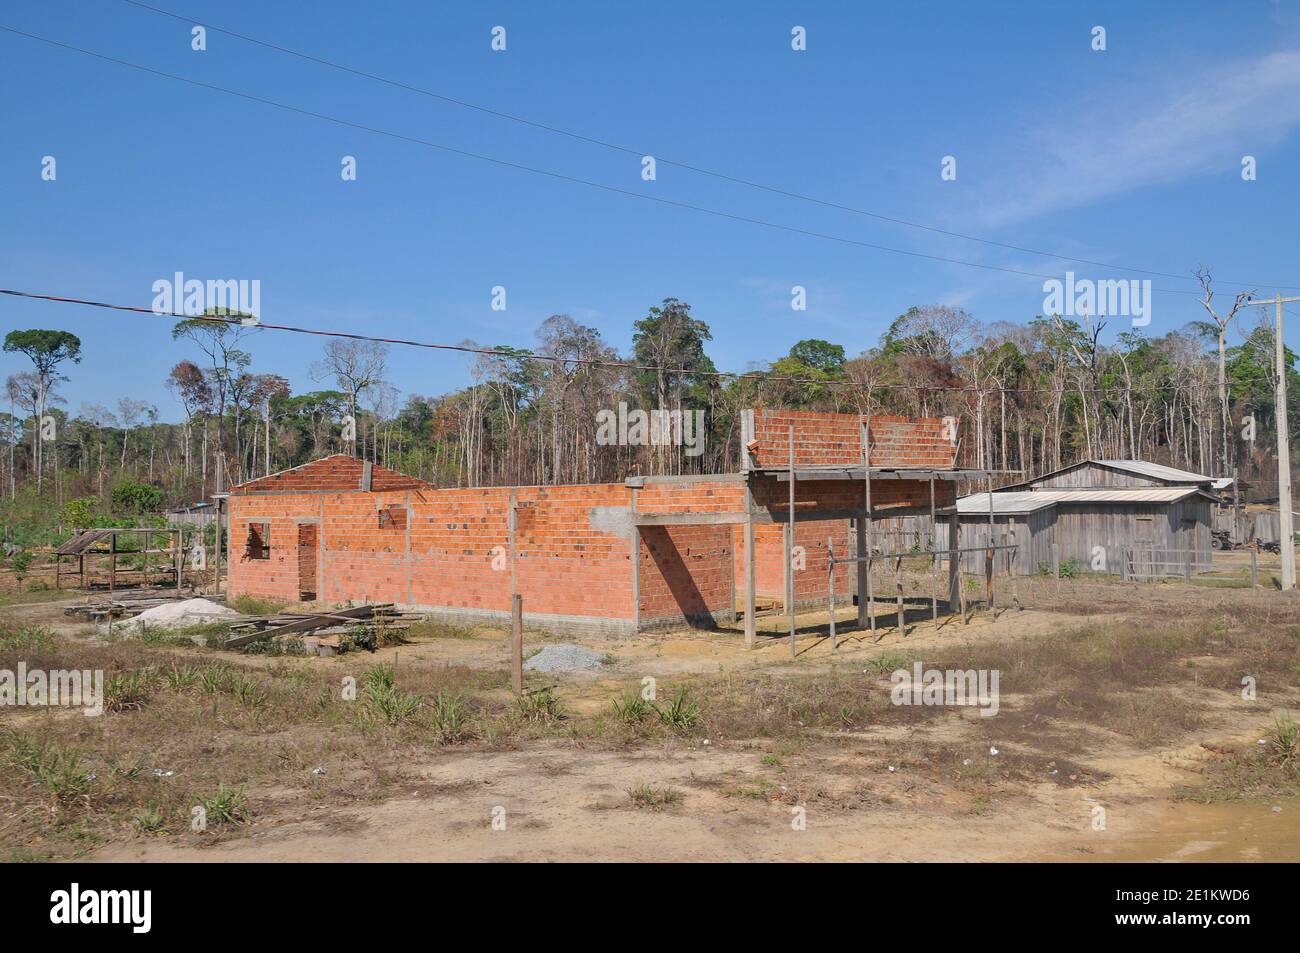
[[1130, 156]]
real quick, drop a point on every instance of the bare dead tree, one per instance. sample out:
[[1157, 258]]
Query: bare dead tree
[[1221, 324], [356, 366]]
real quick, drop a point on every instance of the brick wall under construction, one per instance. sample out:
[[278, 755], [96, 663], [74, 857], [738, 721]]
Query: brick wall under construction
[[339, 530]]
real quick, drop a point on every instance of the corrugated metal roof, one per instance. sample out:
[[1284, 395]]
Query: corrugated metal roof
[[1159, 471], [1126, 494], [1153, 471], [1027, 501], [1005, 503]]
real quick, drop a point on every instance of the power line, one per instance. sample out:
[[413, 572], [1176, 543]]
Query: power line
[[546, 172], [757, 376], [662, 160]]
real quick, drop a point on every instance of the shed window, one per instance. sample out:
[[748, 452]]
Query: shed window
[[258, 543], [392, 517]]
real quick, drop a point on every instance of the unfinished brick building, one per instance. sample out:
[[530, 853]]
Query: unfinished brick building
[[616, 558]]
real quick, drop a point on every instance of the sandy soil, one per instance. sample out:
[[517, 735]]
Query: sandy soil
[[565, 805], [563, 801]]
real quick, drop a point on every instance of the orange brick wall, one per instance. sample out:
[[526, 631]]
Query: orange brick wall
[[692, 496], [338, 472], [277, 576], [810, 583], [574, 544], [453, 552], [825, 439], [686, 571]]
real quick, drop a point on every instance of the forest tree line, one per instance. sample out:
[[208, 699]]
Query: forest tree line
[[1029, 397]]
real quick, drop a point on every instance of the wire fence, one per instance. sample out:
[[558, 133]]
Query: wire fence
[[904, 591]]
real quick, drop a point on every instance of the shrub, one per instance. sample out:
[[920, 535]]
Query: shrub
[[127, 691], [1284, 744], [226, 806], [542, 705], [131, 497], [450, 717], [645, 795], [383, 697], [1069, 568], [631, 709], [358, 637], [149, 820], [21, 561], [79, 514], [680, 714]]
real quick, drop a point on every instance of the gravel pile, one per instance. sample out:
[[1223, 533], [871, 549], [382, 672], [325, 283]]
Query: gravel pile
[[564, 658]]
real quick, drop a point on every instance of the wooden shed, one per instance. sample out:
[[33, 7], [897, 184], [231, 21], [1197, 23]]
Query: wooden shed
[[1113, 516]]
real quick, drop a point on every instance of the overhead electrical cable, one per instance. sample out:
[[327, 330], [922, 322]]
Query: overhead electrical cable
[[665, 160], [560, 176]]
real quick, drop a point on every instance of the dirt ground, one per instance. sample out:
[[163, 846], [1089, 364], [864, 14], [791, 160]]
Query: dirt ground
[[1036, 783]]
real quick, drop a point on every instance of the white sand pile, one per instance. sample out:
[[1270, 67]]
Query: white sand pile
[[180, 615]]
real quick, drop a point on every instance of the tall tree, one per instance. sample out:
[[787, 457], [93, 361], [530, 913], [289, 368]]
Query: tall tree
[[219, 341], [47, 350]]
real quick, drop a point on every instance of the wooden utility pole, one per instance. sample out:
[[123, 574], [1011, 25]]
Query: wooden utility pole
[[517, 644], [789, 554], [1286, 523]]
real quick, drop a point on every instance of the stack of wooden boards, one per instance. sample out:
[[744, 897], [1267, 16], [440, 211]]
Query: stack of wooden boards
[[320, 630], [120, 608]]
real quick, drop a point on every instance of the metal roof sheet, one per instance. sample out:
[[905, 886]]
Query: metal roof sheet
[[1153, 471], [1028, 501], [1159, 471], [1004, 503]]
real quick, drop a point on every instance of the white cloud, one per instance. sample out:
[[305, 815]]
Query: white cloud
[[1123, 139]]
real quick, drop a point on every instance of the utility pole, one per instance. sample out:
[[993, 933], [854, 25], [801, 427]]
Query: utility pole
[[1286, 526]]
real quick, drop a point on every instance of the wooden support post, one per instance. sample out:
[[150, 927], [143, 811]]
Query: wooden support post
[[750, 601], [144, 564], [1254, 565], [934, 558], [867, 520], [180, 557], [112, 561], [898, 591], [1013, 556], [512, 522], [517, 644], [830, 568], [871, 596], [1056, 560], [789, 552], [988, 577], [988, 552], [954, 560], [965, 619], [861, 565]]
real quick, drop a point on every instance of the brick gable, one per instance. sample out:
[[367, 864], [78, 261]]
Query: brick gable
[[339, 473]]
